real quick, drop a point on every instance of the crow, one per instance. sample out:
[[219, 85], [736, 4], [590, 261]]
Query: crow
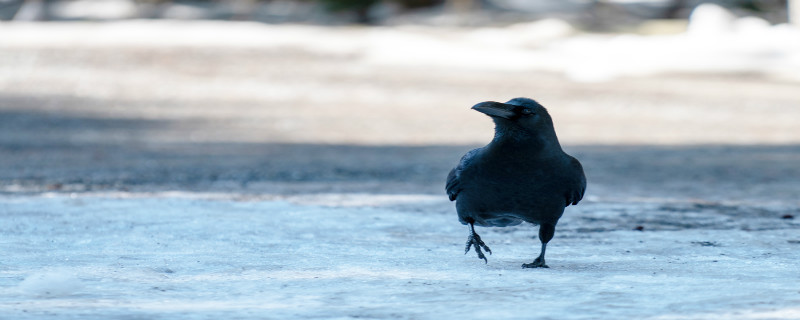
[[521, 175]]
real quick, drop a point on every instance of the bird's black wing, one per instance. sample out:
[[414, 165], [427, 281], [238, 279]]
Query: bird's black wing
[[453, 185], [579, 186]]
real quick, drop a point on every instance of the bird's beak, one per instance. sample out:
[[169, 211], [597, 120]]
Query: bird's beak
[[495, 109]]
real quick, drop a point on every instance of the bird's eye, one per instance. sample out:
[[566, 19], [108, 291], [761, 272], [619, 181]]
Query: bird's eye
[[527, 112]]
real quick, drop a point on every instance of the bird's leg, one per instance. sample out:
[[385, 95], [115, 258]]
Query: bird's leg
[[546, 232], [475, 239], [539, 262]]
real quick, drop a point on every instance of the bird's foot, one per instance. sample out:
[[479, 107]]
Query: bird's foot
[[538, 263], [475, 239]]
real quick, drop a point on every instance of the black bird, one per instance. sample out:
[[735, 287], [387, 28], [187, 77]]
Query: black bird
[[522, 175]]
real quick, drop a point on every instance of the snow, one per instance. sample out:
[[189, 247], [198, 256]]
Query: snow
[[345, 256], [716, 42], [51, 284], [96, 9]]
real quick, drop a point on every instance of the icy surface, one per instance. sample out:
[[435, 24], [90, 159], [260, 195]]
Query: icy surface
[[378, 257]]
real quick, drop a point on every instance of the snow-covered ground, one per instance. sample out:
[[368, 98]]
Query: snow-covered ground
[[204, 256]]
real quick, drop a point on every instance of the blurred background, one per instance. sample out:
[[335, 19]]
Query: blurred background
[[658, 98], [589, 14]]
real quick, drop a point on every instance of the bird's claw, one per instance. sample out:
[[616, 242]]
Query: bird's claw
[[475, 239], [538, 263]]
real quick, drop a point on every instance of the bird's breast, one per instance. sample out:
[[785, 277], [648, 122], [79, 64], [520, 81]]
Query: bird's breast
[[502, 196]]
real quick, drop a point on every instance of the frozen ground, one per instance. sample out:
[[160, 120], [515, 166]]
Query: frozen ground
[[386, 257]]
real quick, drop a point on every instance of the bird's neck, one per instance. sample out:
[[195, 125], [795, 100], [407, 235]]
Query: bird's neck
[[519, 139]]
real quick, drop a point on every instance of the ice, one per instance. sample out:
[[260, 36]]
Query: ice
[[200, 256]]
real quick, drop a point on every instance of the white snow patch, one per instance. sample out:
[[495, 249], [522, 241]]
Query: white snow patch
[[709, 20], [96, 9], [56, 283]]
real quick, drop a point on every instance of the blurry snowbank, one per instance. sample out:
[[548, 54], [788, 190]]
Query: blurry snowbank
[[95, 9], [716, 42]]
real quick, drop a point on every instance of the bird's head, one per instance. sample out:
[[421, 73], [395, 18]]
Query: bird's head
[[519, 118]]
